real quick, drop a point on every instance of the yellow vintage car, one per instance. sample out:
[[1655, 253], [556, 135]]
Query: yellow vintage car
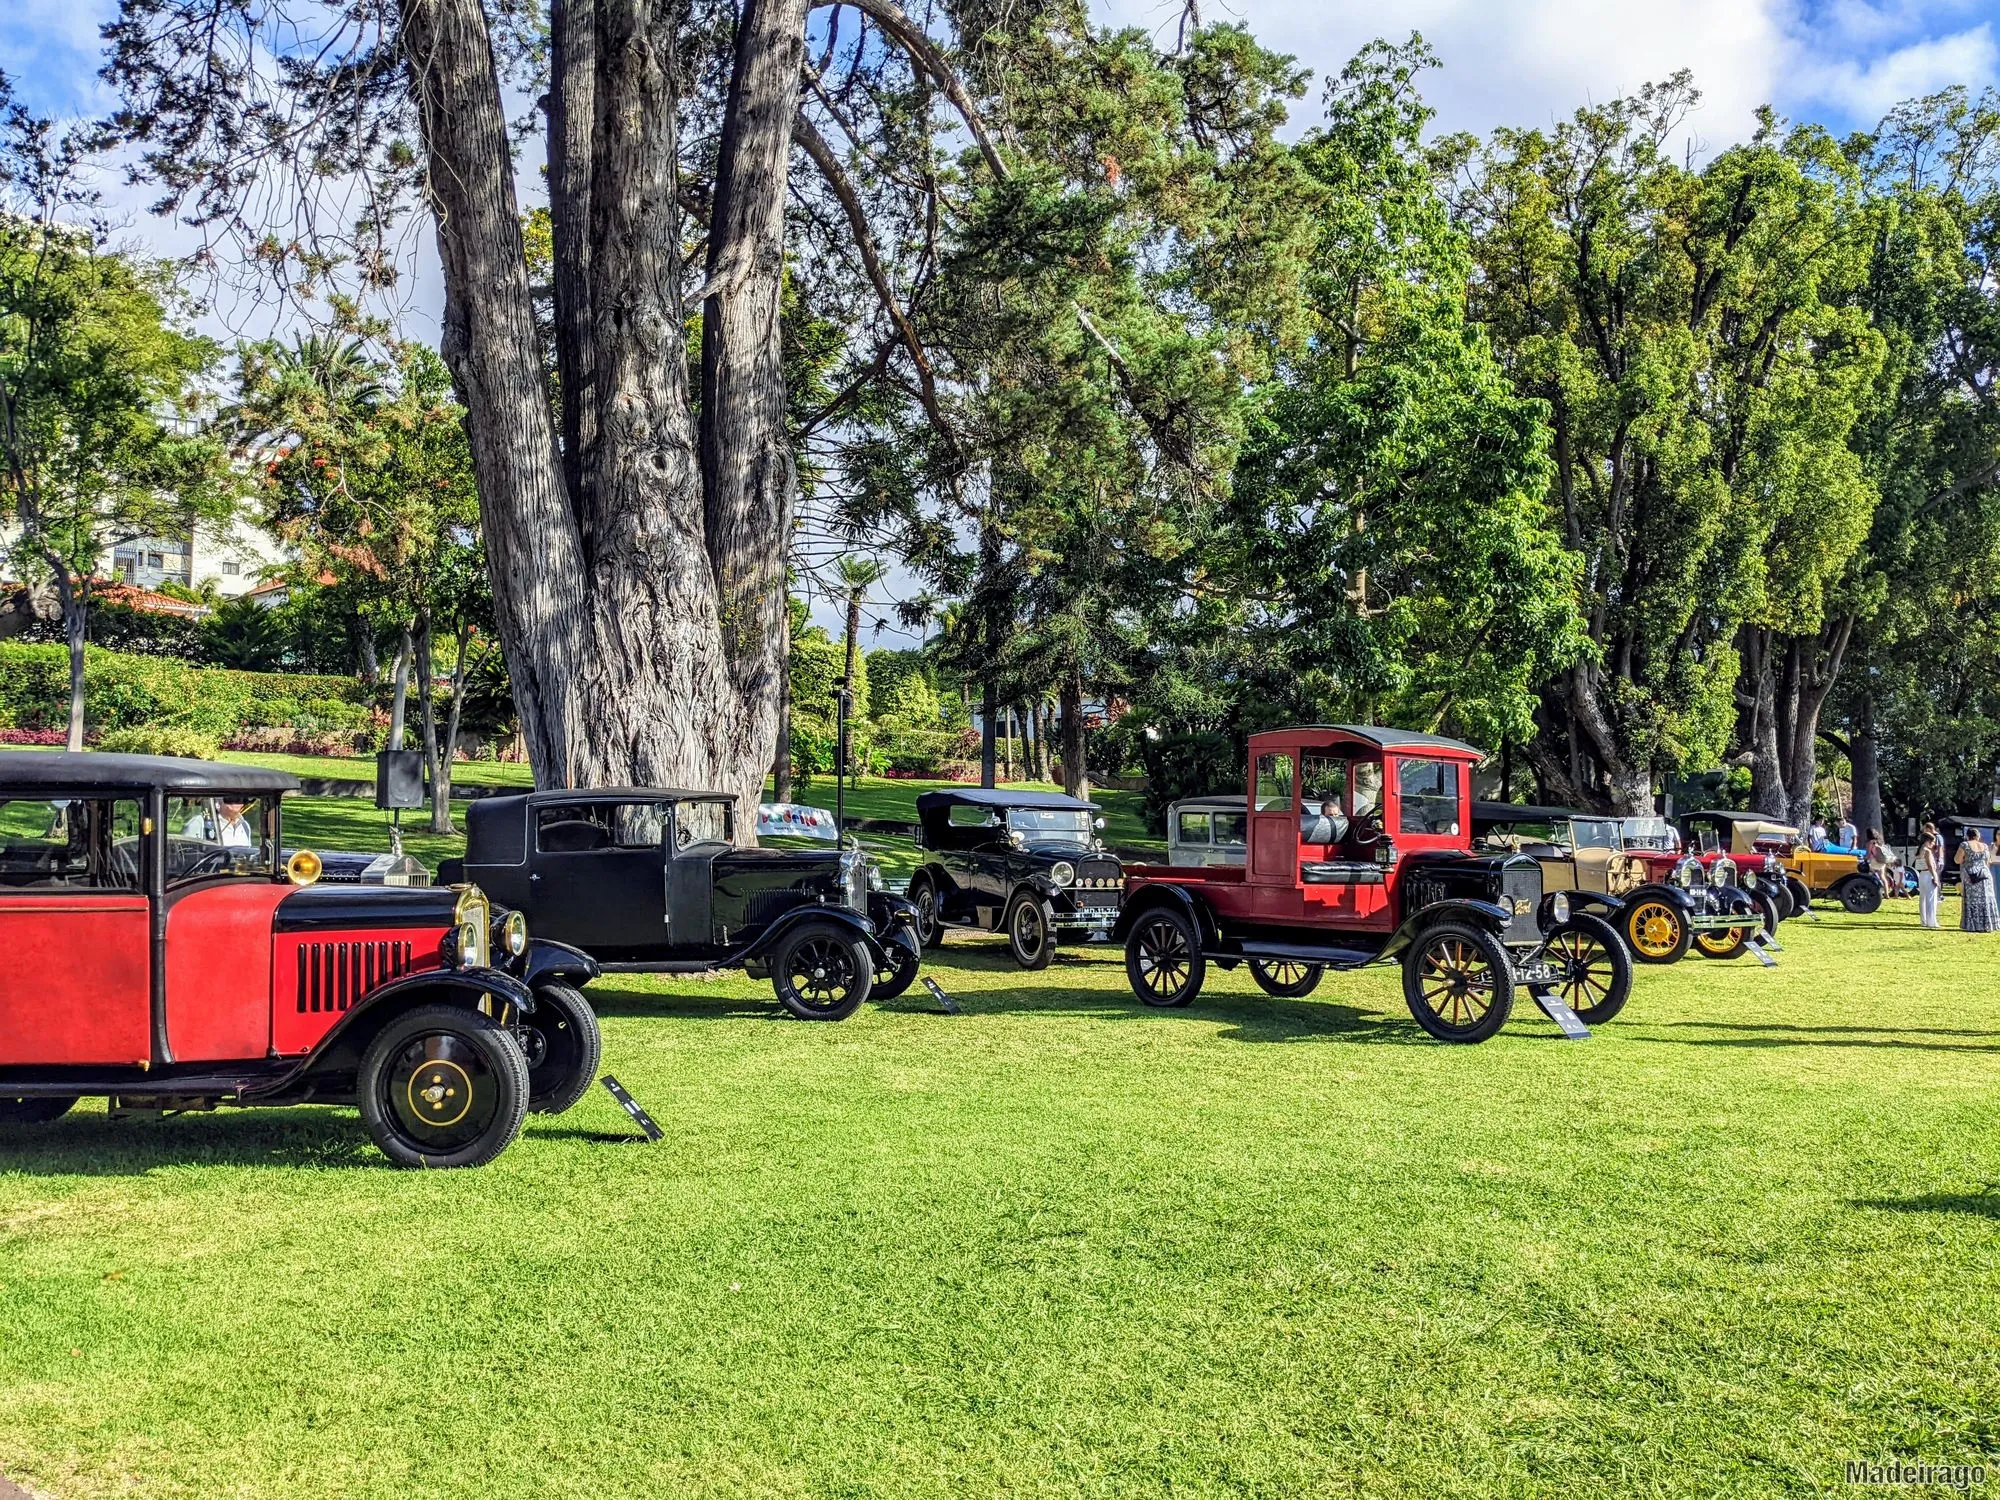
[[1842, 874]]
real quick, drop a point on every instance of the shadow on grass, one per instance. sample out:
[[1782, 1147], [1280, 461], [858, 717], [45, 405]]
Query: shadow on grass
[[307, 1136], [1781, 1034], [1984, 1204]]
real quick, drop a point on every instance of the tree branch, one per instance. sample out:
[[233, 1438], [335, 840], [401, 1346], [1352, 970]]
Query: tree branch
[[893, 20]]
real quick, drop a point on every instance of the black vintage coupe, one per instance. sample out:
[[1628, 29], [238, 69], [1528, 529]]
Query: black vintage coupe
[[651, 878], [1025, 863]]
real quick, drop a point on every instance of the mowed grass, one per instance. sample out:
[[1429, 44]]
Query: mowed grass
[[1062, 1245]]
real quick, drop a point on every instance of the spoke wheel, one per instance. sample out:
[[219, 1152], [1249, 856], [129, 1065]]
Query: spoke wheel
[[822, 974], [1860, 894], [904, 961], [1597, 971], [1722, 942], [1030, 931], [924, 896], [40, 1110], [1655, 932], [1163, 961], [1458, 982], [443, 1087], [563, 1047], [1286, 978]]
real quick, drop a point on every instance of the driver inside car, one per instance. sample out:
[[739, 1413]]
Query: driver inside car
[[227, 826]]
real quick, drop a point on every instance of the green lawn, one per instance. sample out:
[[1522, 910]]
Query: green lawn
[[1061, 1245]]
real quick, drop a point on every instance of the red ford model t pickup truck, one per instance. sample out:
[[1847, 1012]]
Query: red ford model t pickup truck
[[161, 952], [1360, 851]]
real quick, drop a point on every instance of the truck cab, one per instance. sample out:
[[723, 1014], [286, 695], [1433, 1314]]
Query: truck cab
[[1359, 851]]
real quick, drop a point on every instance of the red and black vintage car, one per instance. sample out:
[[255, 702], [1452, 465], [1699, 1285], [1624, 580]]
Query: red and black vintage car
[[1360, 852], [162, 953]]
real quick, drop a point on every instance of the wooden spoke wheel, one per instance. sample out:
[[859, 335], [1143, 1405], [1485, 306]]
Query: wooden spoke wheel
[[1163, 961], [1458, 982], [1597, 971], [822, 973], [442, 1086], [1655, 931], [1723, 942], [1286, 978]]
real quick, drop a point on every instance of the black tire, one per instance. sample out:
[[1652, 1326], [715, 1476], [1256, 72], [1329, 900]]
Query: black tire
[[1801, 894], [1860, 894], [1780, 893], [442, 1086], [1724, 942], [1653, 931], [1286, 978], [42, 1110], [1767, 909], [904, 961], [822, 973], [563, 1046], [1458, 982], [930, 926], [1031, 930], [1599, 970], [1163, 961]]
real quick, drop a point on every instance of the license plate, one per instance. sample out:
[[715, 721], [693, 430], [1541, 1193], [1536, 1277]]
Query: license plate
[[1537, 973]]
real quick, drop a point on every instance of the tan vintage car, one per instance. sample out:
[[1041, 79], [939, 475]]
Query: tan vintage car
[[1588, 856]]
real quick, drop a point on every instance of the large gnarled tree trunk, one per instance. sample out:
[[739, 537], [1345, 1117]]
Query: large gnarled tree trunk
[[638, 563]]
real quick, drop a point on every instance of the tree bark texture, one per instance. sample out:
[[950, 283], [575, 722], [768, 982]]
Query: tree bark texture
[[638, 565], [76, 620], [1075, 770], [781, 762], [1865, 762]]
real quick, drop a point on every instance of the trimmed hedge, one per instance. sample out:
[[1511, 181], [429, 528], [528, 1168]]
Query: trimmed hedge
[[135, 692]]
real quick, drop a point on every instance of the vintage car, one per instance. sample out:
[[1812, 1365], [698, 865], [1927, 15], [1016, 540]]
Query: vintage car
[[1807, 872], [160, 955], [1759, 847], [1208, 831], [1742, 919], [1028, 864], [1360, 853], [651, 879], [1657, 917]]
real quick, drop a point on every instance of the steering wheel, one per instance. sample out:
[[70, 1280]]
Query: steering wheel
[[1365, 829], [213, 863]]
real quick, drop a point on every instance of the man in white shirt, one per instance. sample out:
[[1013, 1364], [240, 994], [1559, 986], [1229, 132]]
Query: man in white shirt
[[228, 828], [1848, 834]]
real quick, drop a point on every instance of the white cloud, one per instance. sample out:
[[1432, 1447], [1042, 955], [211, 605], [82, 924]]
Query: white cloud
[[1866, 90]]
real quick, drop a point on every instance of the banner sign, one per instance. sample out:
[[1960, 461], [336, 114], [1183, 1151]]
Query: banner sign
[[792, 820]]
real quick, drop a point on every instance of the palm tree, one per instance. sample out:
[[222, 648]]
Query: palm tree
[[858, 574]]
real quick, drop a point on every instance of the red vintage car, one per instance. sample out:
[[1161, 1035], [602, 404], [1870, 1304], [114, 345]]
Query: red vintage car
[[1737, 908], [163, 954], [1360, 851]]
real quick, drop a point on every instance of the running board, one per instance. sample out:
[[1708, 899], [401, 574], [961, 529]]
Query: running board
[[1299, 953]]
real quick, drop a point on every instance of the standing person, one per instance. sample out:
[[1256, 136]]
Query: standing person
[[1848, 834], [1816, 835], [1930, 875], [1977, 912], [1880, 861]]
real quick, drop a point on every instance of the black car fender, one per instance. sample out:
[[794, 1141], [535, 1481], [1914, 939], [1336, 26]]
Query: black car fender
[[339, 1051], [1595, 902], [1179, 898], [889, 912], [766, 942], [1673, 895], [1487, 914], [1735, 900], [546, 960]]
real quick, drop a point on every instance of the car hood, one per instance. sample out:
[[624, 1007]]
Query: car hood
[[324, 907]]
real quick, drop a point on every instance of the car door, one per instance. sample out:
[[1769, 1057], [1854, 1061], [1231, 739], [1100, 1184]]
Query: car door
[[598, 878], [75, 926]]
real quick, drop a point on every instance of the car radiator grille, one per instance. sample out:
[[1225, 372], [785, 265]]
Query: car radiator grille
[[335, 976], [1521, 893]]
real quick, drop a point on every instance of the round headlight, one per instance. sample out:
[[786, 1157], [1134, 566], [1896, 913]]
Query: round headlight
[[1062, 872], [514, 934], [1687, 872], [1724, 871], [1559, 907]]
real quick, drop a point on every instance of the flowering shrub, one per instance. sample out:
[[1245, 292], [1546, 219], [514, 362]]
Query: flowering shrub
[[33, 737]]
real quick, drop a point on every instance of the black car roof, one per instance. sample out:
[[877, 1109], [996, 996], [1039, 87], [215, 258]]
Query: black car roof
[[61, 769], [980, 796]]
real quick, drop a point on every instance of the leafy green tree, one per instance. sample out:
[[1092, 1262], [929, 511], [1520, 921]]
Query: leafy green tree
[[101, 399], [1693, 334]]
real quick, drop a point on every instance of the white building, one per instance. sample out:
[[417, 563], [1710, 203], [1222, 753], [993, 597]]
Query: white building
[[236, 563]]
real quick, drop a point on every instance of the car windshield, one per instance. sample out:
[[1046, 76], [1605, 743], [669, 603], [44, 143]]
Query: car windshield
[[1650, 833], [1050, 825], [225, 834], [1594, 833]]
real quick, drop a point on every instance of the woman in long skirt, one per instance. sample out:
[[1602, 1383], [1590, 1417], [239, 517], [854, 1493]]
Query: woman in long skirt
[[1975, 884]]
